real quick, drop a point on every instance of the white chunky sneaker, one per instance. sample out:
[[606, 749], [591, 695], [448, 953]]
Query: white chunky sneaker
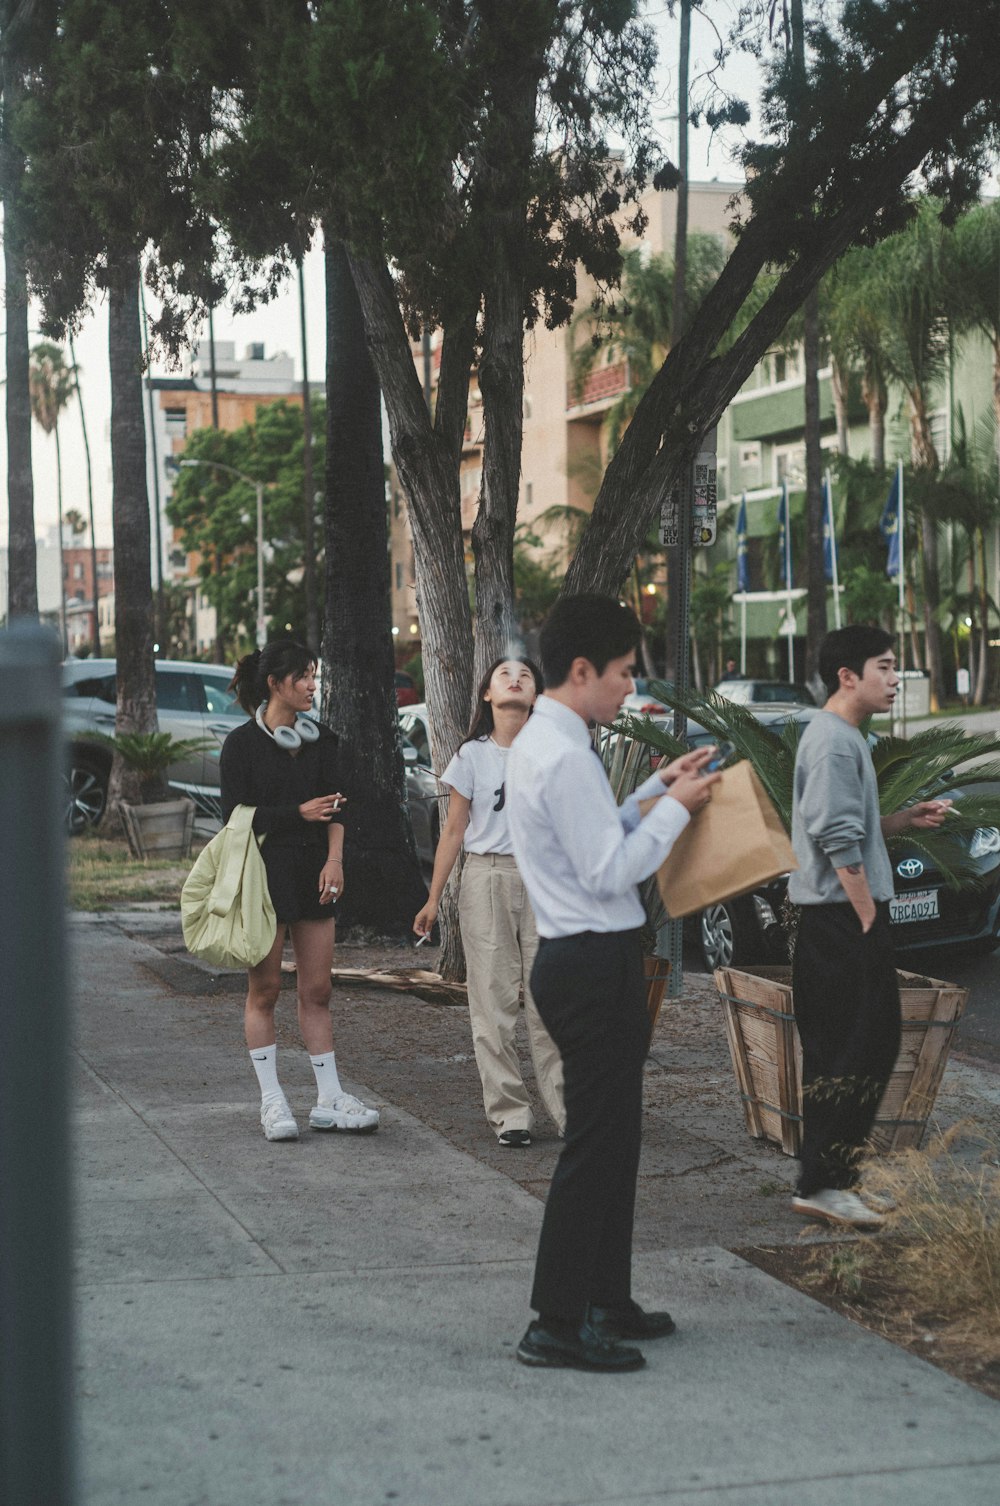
[[837, 1205], [276, 1120], [344, 1113]]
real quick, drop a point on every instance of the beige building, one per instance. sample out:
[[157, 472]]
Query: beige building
[[564, 450]]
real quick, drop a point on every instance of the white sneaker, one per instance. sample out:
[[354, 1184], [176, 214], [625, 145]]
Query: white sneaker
[[276, 1120], [344, 1113], [838, 1206]]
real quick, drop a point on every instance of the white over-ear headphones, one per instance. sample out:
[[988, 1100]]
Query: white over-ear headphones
[[289, 738]]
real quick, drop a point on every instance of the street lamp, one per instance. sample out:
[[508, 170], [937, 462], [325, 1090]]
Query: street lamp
[[259, 485]]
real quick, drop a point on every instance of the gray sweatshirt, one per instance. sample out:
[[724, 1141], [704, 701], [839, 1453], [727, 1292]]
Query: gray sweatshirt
[[835, 814]]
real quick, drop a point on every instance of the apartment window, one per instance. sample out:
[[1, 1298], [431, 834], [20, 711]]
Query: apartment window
[[78, 571], [399, 577], [529, 493], [175, 422], [750, 465], [789, 464], [780, 365]]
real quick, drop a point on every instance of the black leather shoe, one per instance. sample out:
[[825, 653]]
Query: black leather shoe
[[582, 1351], [629, 1322], [517, 1139]]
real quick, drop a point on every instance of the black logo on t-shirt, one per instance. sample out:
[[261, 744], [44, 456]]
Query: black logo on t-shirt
[[502, 793]]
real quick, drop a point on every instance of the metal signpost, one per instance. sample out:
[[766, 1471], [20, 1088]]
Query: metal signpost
[[687, 521], [36, 1348]]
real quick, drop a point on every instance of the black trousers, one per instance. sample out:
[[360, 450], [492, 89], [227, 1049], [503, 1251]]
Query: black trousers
[[847, 1012], [591, 995]]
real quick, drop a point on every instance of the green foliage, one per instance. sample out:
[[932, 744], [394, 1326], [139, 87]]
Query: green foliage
[[114, 127], [150, 755], [921, 767], [216, 514], [537, 582], [396, 123], [869, 595], [635, 326]]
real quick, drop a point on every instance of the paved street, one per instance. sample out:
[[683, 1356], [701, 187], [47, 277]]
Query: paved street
[[334, 1320]]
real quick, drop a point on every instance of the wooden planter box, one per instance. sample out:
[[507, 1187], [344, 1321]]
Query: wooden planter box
[[657, 970], [162, 830], [767, 1057]]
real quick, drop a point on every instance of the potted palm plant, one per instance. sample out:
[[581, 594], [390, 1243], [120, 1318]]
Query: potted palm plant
[[160, 823], [757, 1002]]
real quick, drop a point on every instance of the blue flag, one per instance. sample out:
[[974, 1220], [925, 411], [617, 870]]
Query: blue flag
[[829, 543], [785, 537], [742, 563], [889, 527]]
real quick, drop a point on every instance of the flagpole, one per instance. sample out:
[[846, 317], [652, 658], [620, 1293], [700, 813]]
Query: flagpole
[[790, 617], [743, 635], [833, 552], [902, 591]]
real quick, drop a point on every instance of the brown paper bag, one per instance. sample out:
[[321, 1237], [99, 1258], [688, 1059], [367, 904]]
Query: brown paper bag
[[735, 843]]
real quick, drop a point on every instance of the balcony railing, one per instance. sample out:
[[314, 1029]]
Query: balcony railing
[[599, 386]]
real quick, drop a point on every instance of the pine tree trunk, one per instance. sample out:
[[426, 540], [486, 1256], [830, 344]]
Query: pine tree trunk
[[22, 560], [96, 649], [427, 461], [875, 399], [384, 889], [136, 710]]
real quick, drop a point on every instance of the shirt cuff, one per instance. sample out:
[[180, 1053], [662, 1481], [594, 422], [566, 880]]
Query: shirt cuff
[[847, 857]]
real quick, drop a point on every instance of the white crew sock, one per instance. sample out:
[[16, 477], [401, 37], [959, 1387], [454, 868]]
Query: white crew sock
[[327, 1082], [265, 1064]]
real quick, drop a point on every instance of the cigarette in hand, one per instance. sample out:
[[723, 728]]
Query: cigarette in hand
[[425, 937]]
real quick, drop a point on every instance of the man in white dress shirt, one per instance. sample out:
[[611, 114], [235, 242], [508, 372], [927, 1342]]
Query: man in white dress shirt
[[581, 857]]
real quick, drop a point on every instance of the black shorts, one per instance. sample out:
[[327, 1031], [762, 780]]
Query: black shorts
[[293, 871]]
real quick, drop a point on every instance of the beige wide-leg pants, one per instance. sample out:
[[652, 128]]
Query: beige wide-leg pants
[[500, 940]]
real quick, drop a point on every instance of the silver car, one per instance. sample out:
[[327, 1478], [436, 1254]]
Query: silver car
[[193, 701]]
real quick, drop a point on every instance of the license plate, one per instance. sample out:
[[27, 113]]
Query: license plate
[[922, 904]]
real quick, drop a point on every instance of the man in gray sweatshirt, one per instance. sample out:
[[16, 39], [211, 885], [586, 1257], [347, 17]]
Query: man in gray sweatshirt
[[843, 973]]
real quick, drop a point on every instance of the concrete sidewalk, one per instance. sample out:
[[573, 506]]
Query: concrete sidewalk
[[334, 1320]]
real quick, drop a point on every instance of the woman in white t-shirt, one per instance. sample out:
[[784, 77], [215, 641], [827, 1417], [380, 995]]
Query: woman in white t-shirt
[[498, 928]]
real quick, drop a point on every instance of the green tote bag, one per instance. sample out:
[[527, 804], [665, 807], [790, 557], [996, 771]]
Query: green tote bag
[[226, 911]]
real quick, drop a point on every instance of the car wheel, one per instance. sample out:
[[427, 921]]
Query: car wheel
[[730, 936], [86, 795]]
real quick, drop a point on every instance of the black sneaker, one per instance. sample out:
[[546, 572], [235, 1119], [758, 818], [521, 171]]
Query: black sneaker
[[514, 1139]]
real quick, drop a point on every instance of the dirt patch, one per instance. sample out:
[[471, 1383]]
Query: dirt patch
[[837, 1275]]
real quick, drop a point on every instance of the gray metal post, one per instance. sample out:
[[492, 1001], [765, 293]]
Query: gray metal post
[[37, 1466], [671, 936]]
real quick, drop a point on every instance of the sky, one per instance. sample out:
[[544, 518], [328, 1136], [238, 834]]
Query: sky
[[277, 326]]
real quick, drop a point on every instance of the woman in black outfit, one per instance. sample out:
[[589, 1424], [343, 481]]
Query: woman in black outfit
[[285, 765]]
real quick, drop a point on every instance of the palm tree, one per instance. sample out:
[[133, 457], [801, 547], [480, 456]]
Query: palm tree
[[638, 330], [972, 260], [51, 385]]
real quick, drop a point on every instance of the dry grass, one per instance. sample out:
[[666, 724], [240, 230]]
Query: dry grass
[[930, 1279], [101, 874], [945, 1229]]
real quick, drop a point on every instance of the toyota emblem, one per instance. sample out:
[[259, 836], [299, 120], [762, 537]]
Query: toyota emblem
[[910, 868]]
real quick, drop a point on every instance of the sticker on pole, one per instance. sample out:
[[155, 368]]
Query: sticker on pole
[[704, 505]]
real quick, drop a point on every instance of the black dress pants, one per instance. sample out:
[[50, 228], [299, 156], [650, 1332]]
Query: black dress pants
[[591, 995], [847, 1013]]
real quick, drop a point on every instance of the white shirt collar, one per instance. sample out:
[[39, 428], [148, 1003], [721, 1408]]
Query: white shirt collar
[[568, 721]]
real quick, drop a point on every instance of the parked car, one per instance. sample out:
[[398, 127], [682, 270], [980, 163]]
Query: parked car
[[406, 690], [193, 700], [765, 693], [924, 912], [642, 701]]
